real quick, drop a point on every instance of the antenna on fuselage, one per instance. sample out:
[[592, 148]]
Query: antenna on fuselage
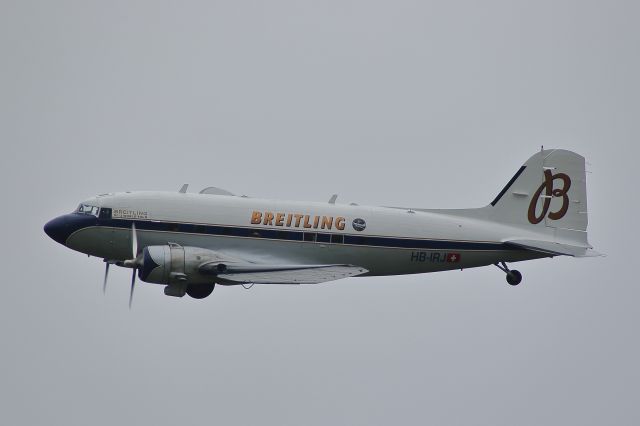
[[183, 189]]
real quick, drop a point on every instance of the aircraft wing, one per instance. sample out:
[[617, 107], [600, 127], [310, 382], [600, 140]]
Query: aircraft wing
[[554, 249], [280, 274]]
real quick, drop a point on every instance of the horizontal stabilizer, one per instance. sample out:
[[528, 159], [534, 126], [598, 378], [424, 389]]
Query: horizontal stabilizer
[[553, 248]]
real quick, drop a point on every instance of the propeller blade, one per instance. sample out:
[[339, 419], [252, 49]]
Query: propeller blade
[[106, 274], [134, 240], [133, 283]]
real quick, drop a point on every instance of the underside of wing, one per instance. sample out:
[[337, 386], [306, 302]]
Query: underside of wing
[[282, 274], [554, 249]]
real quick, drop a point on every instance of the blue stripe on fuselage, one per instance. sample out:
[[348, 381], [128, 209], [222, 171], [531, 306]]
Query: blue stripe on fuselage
[[291, 235]]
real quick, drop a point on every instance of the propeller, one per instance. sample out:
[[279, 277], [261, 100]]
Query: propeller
[[134, 240], [133, 283], [106, 274], [133, 263], [134, 248]]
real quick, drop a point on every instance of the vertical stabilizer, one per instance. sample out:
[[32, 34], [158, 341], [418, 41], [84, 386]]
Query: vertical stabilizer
[[548, 193]]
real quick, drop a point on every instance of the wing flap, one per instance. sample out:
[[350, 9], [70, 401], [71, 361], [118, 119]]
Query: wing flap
[[289, 274]]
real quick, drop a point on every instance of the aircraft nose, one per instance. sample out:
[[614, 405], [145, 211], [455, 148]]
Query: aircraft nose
[[58, 229]]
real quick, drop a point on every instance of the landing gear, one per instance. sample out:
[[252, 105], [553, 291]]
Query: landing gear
[[513, 277], [200, 291]]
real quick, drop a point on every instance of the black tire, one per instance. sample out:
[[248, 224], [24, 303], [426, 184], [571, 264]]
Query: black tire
[[200, 291], [514, 277]]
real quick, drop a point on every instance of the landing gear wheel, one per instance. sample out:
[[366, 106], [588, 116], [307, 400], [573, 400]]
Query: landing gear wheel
[[200, 291], [514, 277]]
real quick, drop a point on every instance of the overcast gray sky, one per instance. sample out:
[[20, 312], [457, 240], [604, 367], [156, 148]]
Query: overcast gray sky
[[432, 104]]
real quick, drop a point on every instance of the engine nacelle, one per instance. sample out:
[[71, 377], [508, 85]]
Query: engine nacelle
[[175, 265]]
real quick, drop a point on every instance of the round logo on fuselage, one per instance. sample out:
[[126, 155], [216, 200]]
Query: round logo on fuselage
[[359, 224]]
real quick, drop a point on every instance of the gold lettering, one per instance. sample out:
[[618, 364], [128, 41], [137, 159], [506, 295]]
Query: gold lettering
[[268, 218], [304, 220], [327, 221], [256, 218]]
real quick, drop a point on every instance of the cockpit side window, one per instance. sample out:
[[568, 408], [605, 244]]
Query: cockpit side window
[[105, 213], [87, 209]]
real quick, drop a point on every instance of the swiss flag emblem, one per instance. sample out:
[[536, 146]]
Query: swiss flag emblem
[[453, 257]]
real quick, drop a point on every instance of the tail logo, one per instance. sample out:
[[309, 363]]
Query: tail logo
[[549, 192]]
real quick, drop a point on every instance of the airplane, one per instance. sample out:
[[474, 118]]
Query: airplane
[[190, 242]]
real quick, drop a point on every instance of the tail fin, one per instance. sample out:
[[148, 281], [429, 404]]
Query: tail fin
[[547, 195]]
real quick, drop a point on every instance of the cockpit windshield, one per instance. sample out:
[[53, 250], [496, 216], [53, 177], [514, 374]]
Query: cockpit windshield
[[87, 209]]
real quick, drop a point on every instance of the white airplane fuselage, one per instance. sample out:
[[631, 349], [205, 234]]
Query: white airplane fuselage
[[394, 241]]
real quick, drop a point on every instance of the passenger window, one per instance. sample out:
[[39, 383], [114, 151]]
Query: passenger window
[[309, 236], [323, 238], [337, 239]]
